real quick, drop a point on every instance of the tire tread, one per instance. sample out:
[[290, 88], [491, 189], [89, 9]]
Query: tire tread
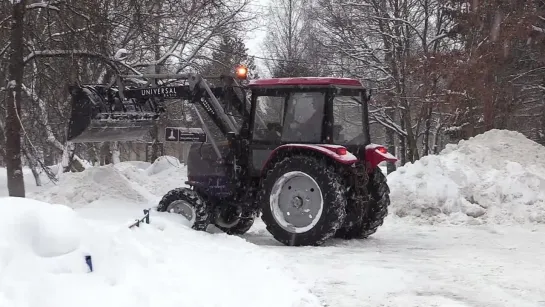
[[200, 205], [330, 183]]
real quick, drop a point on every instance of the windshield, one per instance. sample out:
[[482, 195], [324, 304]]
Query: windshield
[[295, 118], [269, 118], [301, 122], [348, 124]]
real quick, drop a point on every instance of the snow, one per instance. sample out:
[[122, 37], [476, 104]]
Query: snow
[[132, 181], [121, 54], [408, 265], [162, 164], [105, 183], [417, 258], [497, 177], [46, 231], [43, 249]]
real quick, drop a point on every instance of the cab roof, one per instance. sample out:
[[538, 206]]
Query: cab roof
[[306, 81]]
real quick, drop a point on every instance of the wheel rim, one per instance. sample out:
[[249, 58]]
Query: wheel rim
[[296, 202], [184, 209]]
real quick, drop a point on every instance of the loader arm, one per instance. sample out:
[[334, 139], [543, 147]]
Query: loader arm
[[126, 113]]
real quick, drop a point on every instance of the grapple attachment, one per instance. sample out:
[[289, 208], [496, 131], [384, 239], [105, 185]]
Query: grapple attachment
[[99, 115]]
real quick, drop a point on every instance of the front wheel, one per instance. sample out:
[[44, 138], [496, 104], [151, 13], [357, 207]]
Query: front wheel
[[303, 201], [190, 205]]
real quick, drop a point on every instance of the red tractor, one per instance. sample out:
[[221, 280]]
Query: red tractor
[[295, 150]]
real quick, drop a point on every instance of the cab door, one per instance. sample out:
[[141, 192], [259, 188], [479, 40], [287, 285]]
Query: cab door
[[268, 113]]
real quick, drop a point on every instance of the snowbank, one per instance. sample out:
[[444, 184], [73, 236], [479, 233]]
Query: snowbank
[[165, 174], [496, 177], [42, 264], [162, 164], [94, 184], [129, 182]]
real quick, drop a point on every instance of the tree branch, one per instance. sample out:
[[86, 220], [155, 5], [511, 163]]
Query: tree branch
[[61, 53], [42, 5], [5, 49]]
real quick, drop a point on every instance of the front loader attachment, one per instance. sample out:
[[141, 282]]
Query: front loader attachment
[[99, 115], [119, 112]]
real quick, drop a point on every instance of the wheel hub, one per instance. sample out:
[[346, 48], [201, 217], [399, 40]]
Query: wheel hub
[[183, 208], [297, 202]]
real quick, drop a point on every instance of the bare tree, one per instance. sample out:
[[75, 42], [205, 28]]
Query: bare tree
[[287, 42], [385, 42], [498, 67], [61, 43]]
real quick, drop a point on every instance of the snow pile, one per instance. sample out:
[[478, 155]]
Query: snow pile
[[43, 249], [34, 227], [496, 177], [162, 164], [130, 182], [165, 174], [92, 185]]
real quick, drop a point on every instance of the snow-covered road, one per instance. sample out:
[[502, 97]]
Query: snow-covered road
[[412, 265]]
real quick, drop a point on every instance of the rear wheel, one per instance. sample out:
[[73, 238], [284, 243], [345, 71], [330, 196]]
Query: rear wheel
[[376, 212], [303, 201], [189, 204]]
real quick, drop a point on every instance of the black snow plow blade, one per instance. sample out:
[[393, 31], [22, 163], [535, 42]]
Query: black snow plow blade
[[98, 115]]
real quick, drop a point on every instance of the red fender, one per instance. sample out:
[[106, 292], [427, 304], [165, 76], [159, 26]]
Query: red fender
[[375, 154], [336, 152]]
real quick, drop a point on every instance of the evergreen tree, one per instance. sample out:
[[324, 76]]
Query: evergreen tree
[[230, 52]]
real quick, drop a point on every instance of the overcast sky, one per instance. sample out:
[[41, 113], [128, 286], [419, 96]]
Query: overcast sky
[[255, 38]]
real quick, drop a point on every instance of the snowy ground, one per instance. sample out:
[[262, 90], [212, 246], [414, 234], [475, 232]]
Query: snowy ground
[[408, 265], [43, 249], [435, 249]]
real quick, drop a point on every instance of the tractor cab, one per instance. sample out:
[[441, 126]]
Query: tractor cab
[[309, 111], [312, 113]]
